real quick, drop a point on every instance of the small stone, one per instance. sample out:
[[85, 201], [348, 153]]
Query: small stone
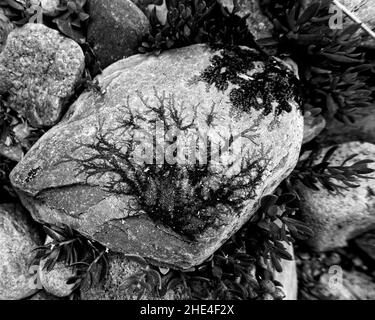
[[115, 30], [39, 69], [335, 217], [19, 235], [55, 281], [115, 287]]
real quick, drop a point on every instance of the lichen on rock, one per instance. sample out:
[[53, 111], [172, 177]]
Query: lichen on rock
[[259, 81]]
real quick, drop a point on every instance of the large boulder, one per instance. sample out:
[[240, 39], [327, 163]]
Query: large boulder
[[116, 29], [335, 217], [19, 235], [39, 69], [120, 167]]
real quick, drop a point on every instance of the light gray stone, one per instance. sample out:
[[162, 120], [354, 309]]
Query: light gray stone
[[192, 223], [55, 281], [336, 218], [39, 69], [19, 235]]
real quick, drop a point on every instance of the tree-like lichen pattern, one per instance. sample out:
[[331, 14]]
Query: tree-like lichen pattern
[[186, 198]]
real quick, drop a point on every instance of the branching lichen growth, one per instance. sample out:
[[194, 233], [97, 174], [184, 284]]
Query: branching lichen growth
[[258, 81], [189, 197]]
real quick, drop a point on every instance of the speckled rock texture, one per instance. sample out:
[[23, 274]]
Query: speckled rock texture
[[180, 212], [288, 277], [39, 69], [337, 218], [115, 30], [5, 28], [54, 281], [18, 237]]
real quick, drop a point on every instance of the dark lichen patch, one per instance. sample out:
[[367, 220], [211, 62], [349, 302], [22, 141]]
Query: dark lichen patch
[[186, 198], [252, 88], [32, 174]]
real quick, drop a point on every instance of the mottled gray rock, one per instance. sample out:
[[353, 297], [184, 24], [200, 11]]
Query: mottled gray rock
[[55, 281], [115, 30], [171, 219], [288, 277], [39, 69], [336, 218], [18, 237]]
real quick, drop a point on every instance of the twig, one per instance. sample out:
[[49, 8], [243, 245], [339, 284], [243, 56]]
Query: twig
[[353, 17]]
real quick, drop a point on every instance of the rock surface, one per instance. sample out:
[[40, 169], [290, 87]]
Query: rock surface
[[336, 218], [116, 29], [39, 69], [176, 214], [54, 281], [18, 237]]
